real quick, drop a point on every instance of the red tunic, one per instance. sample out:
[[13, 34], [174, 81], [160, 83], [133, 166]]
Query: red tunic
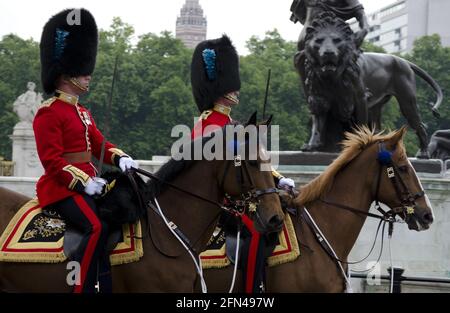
[[213, 119], [63, 126], [218, 117]]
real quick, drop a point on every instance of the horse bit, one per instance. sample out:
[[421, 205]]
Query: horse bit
[[249, 200], [406, 198]]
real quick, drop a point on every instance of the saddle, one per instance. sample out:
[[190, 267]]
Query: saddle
[[73, 237], [38, 234], [221, 249]]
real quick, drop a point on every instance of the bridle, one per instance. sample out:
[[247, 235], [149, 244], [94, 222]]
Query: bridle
[[406, 198], [248, 200], [404, 195]]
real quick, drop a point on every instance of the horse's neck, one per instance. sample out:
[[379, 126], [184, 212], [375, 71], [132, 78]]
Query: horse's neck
[[193, 216], [341, 227]]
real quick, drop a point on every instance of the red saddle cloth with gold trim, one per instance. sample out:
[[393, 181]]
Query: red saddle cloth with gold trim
[[287, 249], [32, 236]]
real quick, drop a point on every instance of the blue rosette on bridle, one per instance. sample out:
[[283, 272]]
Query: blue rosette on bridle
[[385, 157]]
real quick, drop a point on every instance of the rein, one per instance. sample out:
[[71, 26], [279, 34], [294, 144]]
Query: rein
[[404, 195], [153, 176], [233, 206]]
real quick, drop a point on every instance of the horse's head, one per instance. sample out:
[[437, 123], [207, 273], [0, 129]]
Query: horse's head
[[398, 186], [246, 178]]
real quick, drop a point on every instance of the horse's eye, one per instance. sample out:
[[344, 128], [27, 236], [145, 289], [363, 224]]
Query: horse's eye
[[403, 169]]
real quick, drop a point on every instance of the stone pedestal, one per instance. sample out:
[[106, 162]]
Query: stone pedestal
[[24, 154]]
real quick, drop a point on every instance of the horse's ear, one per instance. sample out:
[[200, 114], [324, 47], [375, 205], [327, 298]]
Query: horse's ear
[[398, 136], [252, 119], [268, 121]]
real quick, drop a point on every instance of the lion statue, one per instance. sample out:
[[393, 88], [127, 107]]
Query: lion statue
[[346, 87]]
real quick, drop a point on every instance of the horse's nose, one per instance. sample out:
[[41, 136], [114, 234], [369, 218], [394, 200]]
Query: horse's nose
[[428, 218]]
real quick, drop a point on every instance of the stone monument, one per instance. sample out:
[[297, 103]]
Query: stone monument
[[345, 87], [24, 154]]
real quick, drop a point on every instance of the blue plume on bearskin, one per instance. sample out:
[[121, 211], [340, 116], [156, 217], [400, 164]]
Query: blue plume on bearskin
[[214, 71], [67, 47], [209, 57], [60, 43]]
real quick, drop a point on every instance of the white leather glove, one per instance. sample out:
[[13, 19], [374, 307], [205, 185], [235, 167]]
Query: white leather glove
[[95, 186], [286, 183], [125, 163]]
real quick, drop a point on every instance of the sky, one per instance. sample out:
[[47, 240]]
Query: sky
[[239, 19]]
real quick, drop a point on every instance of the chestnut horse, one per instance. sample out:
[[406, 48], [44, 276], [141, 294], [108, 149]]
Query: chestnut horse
[[165, 266], [355, 180]]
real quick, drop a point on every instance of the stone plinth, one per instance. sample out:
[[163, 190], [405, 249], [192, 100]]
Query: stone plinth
[[24, 154]]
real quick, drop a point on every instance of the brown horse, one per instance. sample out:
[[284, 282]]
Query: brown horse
[[356, 178], [165, 266]]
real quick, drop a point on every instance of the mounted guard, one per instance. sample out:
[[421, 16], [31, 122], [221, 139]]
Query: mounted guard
[[216, 85], [67, 138]]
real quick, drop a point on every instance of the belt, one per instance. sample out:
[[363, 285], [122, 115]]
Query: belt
[[78, 157]]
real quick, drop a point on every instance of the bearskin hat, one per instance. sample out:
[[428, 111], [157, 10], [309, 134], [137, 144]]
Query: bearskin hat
[[214, 71], [68, 46]]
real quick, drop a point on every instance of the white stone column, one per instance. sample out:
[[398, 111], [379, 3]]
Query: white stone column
[[24, 154]]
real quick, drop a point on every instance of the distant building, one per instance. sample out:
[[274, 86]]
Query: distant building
[[191, 24], [396, 26]]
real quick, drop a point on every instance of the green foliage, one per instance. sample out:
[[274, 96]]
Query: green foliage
[[429, 54], [370, 47], [19, 64], [152, 90], [285, 101]]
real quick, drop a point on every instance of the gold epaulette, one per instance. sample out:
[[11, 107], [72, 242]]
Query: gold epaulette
[[205, 114], [47, 102]]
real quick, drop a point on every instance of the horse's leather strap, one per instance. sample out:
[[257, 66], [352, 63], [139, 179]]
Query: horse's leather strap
[[78, 157], [316, 232]]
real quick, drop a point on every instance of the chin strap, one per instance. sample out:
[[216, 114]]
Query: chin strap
[[77, 84]]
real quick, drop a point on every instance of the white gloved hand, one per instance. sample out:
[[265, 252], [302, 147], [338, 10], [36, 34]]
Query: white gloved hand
[[95, 186], [286, 183], [126, 163]]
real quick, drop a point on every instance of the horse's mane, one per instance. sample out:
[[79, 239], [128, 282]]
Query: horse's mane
[[353, 145]]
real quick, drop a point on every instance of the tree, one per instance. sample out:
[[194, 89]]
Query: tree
[[19, 64], [286, 101], [152, 93]]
